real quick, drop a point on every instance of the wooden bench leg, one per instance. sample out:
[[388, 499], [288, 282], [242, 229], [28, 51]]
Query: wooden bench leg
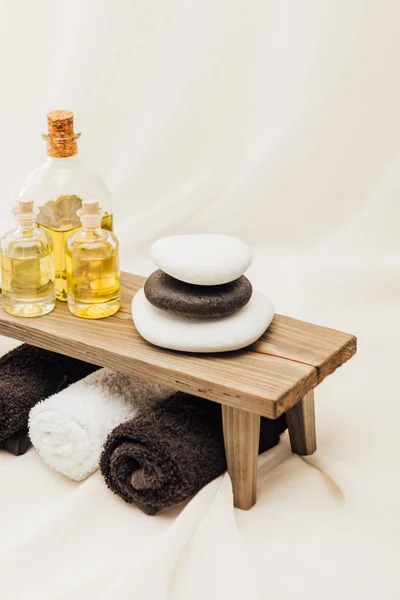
[[241, 437], [301, 424]]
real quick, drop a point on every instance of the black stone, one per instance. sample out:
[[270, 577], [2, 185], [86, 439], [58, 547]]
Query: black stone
[[204, 301]]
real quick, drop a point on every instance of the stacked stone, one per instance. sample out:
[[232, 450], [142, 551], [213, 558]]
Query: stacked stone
[[199, 300]]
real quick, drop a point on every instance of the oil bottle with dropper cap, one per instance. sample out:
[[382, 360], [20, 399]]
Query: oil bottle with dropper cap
[[92, 266], [27, 260]]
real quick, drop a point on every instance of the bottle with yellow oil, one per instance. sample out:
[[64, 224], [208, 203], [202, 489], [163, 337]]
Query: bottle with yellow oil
[[27, 262], [92, 266], [59, 185]]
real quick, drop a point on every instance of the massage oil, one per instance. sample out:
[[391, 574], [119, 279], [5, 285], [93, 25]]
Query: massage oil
[[60, 185], [92, 266], [59, 237], [27, 261]]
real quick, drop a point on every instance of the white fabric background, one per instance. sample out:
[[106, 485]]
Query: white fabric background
[[277, 122]]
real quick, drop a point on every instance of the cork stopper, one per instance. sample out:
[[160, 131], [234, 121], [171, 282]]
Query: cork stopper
[[25, 206], [61, 139], [25, 212], [90, 214]]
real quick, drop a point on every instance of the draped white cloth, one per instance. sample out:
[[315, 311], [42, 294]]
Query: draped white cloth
[[276, 122]]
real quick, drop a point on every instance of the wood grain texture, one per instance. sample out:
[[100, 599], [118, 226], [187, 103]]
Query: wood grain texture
[[235, 378], [320, 347], [323, 348], [268, 378], [301, 424], [241, 438]]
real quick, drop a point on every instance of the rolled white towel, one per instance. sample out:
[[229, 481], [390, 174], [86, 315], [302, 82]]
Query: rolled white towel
[[69, 429]]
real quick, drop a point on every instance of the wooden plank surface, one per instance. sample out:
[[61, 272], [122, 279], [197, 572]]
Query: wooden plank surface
[[267, 378], [321, 347]]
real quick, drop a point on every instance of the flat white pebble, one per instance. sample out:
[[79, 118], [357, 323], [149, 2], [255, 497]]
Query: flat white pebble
[[174, 332], [202, 259]]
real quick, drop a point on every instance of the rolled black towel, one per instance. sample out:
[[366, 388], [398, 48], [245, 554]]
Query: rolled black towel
[[27, 376], [170, 452], [18, 443]]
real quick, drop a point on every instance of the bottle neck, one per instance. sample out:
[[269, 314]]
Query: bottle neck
[[61, 147], [89, 222], [62, 160], [25, 226], [94, 231]]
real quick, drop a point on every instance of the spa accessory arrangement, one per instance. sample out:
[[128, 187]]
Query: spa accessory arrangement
[[155, 446], [198, 301], [198, 375]]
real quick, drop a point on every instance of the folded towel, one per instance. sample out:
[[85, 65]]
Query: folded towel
[[168, 454], [69, 429], [27, 376]]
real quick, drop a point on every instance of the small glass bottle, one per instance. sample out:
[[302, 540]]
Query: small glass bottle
[[92, 266], [27, 260], [59, 185]]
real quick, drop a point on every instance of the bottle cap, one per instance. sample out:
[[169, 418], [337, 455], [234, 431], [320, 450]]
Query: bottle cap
[[25, 210], [90, 207], [25, 205], [90, 214], [61, 139]]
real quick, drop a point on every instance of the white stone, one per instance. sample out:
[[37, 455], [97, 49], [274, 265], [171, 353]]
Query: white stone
[[202, 259], [175, 332]]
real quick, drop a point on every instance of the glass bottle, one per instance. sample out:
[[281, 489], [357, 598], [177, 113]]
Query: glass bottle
[[92, 266], [59, 185], [27, 261]]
